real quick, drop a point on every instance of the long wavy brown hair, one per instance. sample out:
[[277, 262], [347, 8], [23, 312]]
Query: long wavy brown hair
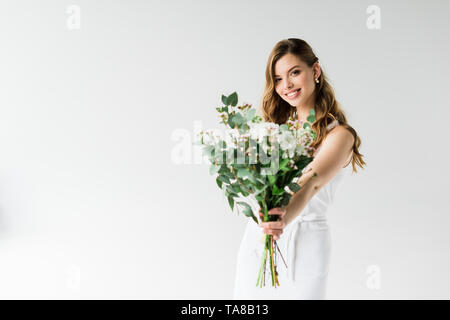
[[327, 109]]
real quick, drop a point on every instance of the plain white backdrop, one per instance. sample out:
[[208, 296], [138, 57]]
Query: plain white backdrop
[[94, 203]]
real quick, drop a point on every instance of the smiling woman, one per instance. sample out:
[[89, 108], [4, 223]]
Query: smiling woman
[[295, 84]]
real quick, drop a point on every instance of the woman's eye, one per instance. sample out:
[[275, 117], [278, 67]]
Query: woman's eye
[[293, 72]]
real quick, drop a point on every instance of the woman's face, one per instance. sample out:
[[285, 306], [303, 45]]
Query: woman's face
[[292, 74]]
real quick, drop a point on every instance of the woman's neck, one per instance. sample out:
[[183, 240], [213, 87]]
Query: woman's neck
[[303, 113]]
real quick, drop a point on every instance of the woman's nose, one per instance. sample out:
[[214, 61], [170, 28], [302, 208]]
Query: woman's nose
[[287, 85]]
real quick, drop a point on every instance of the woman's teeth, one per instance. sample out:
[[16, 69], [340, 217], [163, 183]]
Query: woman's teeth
[[293, 93]]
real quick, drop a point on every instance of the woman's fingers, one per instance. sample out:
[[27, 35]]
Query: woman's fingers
[[273, 231], [276, 233], [261, 216], [279, 211], [278, 225], [275, 211]]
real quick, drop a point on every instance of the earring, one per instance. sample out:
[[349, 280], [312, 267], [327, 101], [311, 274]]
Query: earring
[[317, 80]]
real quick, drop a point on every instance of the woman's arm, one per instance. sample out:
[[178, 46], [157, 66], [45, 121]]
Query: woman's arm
[[333, 155]]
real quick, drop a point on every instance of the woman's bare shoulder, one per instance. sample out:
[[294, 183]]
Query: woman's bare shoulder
[[342, 133]]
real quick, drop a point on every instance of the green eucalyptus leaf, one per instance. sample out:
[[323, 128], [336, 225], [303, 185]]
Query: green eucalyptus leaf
[[232, 99], [223, 178], [213, 169], [261, 190], [251, 114], [231, 202], [243, 173], [247, 211], [231, 122], [224, 100], [239, 119], [261, 180], [245, 186], [245, 194], [231, 191], [249, 183], [223, 169], [219, 182], [236, 187], [245, 205]]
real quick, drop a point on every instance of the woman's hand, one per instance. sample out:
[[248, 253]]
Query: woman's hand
[[274, 228]]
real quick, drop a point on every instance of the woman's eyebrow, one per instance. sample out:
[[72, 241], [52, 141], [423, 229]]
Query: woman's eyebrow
[[288, 70]]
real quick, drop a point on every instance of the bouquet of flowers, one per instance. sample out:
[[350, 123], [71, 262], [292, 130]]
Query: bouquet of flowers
[[258, 159]]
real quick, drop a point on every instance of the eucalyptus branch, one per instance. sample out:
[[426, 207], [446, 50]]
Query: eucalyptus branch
[[239, 179]]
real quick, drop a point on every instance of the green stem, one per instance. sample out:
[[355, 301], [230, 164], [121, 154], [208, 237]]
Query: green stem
[[271, 262], [261, 269], [268, 251]]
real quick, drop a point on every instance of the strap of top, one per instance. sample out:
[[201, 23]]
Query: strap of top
[[332, 125]]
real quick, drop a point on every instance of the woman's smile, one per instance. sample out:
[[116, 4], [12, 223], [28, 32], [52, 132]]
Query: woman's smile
[[293, 94]]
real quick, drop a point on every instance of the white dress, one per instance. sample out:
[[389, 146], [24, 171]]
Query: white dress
[[305, 245]]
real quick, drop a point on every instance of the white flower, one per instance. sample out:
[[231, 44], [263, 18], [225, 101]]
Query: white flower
[[287, 141], [291, 153], [258, 131], [231, 138], [300, 150], [272, 127]]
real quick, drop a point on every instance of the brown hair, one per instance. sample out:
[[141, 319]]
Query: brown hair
[[327, 109]]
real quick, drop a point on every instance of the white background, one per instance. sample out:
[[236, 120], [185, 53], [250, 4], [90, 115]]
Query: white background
[[93, 203]]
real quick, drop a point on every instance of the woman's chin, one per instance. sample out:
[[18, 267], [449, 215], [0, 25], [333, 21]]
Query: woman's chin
[[294, 102]]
